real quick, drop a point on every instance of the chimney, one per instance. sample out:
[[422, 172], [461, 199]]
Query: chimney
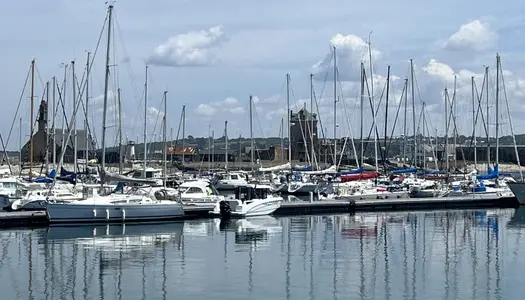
[[42, 116]]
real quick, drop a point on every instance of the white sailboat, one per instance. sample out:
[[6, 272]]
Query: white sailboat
[[112, 207]]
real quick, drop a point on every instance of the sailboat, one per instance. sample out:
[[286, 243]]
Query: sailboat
[[113, 207]]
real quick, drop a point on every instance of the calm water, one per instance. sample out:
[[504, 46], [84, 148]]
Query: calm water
[[422, 255]]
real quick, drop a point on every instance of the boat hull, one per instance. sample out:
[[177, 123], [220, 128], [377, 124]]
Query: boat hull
[[518, 189], [258, 207], [85, 213], [301, 188]]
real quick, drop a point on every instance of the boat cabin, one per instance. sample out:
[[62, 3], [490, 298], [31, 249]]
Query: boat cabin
[[247, 193], [151, 173], [197, 189]]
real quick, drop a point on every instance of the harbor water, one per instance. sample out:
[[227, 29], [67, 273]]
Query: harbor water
[[469, 254]]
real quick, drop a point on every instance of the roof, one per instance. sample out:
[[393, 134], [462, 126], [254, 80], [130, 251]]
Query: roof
[[303, 115], [182, 150], [217, 152], [81, 139]]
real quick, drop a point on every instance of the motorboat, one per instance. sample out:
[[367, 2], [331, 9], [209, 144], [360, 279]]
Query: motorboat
[[129, 207], [248, 202], [230, 181], [199, 192]]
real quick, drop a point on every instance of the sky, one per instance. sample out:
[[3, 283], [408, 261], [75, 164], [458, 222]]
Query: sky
[[212, 55]]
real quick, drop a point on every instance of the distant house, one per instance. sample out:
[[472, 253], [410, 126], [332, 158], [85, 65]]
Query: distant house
[[219, 155], [176, 153], [59, 138]]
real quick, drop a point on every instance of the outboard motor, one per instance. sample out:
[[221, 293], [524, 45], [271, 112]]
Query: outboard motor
[[225, 210]]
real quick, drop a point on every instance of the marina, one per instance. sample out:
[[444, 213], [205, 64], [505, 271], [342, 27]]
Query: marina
[[294, 208], [234, 150]]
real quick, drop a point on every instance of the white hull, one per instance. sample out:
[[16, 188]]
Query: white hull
[[301, 188], [374, 196], [122, 212], [228, 186], [251, 208]]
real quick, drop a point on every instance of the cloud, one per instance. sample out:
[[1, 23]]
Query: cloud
[[475, 36], [194, 48], [154, 113], [351, 50], [205, 110], [99, 100], [228, 102]]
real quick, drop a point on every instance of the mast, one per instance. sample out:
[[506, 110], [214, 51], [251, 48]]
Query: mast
[[497, 107], [362, 110], [423, 136], [313, 131], [453, 113], [226, 145], [20, 143], [251, 134], [413, 111], [282, 141], [120, 154], [53, 126], [165, 131], [106, 86], [183, 133], [487, 95], [86, 118], [31, 121], [145, 122], [288, 113], [405, 124], [73, 83], [386, 116], [446, 130], [212, 147], [372, 98], [474, 124], [209, 147], [47, 127], [335, 107]]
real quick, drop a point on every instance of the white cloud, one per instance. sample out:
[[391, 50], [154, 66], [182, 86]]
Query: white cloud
[[351, 50], [237, 110], [229, 102], [99, 100], [228, 105], [154, 113], [205, 110], [475, 36], [194, 48]]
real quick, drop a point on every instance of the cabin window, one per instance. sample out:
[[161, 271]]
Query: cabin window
[[149, 174], [221, 177], [234, 177], [137, 174], [193, 190]]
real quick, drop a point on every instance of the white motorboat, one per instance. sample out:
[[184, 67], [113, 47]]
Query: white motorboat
[[115, 208], [230, 181], [254, 202], [199, 192]]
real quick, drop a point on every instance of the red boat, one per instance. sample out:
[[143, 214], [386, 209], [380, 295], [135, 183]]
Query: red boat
[[361, 176]]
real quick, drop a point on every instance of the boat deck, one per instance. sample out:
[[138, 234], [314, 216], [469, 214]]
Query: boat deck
[[39, 218]]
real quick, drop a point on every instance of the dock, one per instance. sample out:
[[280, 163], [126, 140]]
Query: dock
[[295, 208]]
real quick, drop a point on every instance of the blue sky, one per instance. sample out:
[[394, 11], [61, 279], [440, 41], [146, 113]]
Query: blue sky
[[211, 55]]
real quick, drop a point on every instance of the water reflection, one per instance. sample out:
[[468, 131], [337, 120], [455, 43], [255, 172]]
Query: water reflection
[[424, 255]]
